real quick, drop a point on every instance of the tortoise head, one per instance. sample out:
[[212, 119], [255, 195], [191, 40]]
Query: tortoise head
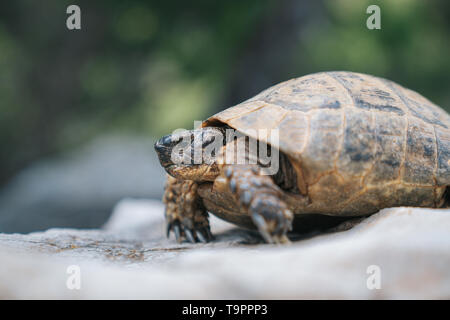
[[191, 154]]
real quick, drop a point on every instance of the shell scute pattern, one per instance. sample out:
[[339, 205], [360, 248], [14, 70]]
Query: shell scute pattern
[[373, 140]]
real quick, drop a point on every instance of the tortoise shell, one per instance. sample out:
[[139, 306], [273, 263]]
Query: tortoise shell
[[358, 143]]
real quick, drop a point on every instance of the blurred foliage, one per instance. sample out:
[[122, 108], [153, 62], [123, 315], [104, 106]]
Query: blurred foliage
[[149, 67]]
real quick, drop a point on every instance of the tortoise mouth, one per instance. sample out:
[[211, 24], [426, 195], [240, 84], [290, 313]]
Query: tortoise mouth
[[172, 169], [177, 170], [198, 173]]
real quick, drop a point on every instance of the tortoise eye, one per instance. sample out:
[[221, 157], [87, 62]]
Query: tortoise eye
[[206, 141]]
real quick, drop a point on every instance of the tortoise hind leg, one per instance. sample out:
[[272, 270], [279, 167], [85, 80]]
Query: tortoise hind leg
[[185, 214], [262, 199]]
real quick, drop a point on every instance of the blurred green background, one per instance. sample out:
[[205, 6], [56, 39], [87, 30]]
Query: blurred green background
[[146, 68]]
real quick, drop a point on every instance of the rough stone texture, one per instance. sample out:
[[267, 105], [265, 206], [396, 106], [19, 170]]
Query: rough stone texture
[[130, 258]]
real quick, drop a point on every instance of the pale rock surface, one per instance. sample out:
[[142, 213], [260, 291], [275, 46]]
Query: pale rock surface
[[130, 258]]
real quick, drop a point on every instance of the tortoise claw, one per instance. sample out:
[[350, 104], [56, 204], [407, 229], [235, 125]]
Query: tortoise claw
[[168, 228], [204, 235], [201, 237], [198, 234], [262, 227], [189, 235], [177, 231], [208, 233]]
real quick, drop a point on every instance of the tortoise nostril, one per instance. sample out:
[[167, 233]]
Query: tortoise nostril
[[162, 143], [166, 140], [158, 146]]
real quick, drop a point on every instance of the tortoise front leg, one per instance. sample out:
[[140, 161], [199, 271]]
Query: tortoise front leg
[[262, 199], [185, 214]]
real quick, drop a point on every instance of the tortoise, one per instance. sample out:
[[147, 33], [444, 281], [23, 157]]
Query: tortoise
[[349, 144]]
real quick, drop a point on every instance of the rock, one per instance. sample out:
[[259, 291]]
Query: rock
[[406, 249]]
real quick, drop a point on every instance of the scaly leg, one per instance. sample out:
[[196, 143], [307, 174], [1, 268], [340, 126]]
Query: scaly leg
[[185, 213], [262, 199]]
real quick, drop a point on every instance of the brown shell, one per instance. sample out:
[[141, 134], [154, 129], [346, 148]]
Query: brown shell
[[359, 143]]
